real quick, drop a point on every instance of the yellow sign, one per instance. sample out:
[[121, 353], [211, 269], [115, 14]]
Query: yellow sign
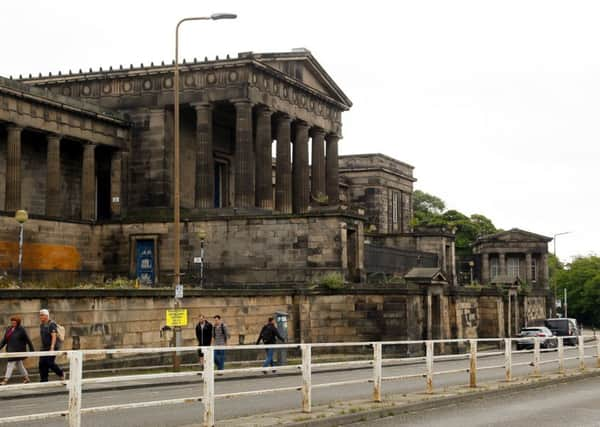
[[177, 317]]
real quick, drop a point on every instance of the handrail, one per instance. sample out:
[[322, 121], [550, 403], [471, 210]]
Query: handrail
[[75, 382]]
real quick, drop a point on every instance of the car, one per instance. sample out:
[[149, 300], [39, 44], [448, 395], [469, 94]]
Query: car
[[564, 327], [526, 337]]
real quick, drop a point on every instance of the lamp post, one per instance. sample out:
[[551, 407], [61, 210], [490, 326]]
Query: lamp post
[[202, 237], [176, 196], [554, 236], [21, 217], [471, 265]]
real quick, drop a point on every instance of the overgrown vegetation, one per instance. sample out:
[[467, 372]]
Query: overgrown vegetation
[[332, 281], [117, 283]]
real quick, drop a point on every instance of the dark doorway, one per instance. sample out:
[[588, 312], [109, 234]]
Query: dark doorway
[[103, 160], [221, 187], [352, 255]]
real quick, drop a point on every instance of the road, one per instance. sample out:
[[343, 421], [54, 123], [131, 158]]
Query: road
[[571, 404], [186, 414]]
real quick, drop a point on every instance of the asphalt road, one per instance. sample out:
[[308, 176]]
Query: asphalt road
[[186, 414], [575, 403]]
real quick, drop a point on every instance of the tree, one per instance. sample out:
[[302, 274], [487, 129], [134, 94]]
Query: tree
[[427, 203], [581, 279]]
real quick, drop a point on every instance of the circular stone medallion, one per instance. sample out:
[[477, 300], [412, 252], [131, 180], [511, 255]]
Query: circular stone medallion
[[168, 82], [211, 78], [86, 90], [233, 76], [127, 86], [106, 88], [147, 85]]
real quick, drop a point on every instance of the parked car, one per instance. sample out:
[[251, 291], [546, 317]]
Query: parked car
[[564, 327], [527, 335]]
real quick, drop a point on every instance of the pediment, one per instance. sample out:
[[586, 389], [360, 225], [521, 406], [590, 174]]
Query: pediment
[[300, 65], [515, 235]]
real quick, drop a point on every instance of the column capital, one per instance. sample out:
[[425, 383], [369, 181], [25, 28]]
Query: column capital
[[316, 131], [54, 136], [332, 137], [264, 109], [201, 105], [301, 124], [283, 117], [242, 103], [11, 127]]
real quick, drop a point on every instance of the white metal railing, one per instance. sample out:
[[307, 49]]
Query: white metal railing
[[74, 411]]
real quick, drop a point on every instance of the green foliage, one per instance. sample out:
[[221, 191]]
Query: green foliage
[[429, 212], [581, 278], [332, 281]]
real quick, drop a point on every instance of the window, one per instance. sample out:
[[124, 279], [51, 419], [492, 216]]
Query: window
[[395, 210], [494, 267], [512, 267], [533, 270]]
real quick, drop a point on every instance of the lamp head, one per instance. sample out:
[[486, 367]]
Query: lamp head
[[21, 216], [201, 234], [216, 16]]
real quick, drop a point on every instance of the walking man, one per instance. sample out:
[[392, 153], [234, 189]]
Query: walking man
[[220, 337], [50, 342], [268, 335], [204, 333]]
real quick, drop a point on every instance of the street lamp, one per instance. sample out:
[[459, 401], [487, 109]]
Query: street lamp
[[21, 217], [471, 265], [554, 278], [202, 237], [176, 197]]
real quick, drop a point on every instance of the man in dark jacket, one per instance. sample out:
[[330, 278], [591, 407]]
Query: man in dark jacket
[[268, 335], [50, 342], [204, 333], [16, 340]]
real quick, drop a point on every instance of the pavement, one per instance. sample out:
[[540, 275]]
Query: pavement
[[331, 406]]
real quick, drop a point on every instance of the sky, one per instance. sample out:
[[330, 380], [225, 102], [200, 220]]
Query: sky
[[495, 103]]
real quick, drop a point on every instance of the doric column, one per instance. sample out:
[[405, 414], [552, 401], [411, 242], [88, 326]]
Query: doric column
[[116, 182], [332, 170], [53, 194], [543, 271], [264, 173], [528, 277], [205, 164], [13, 169], [485, 269], [244, 155], [300, 182], [283, 166], [88, 183], [318, 188], [502, 263]]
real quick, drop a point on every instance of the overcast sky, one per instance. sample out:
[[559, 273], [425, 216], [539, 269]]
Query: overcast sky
[[495, 103]]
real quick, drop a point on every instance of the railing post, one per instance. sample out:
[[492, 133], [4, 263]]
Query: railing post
[[208, 379], [507, 359], [429, 362], [561, 355], [306, 378], [536, 356], [74, 386], [597, 350], [377, 368], [581, 350], [473, 364]]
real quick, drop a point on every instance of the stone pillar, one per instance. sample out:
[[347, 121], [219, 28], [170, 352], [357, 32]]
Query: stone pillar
[[502, 263], [88, 183], [116, 182], [283, 168], [13, 169], [485, 269], [300, 184], [332, 170], [244, 156], [528, 277], [205, 164], [264, 172], [318, 188], [543, 271], [53, 193]]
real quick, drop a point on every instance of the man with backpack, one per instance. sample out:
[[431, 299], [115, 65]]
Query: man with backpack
[[268, 335], [220, 337], [50, 333]]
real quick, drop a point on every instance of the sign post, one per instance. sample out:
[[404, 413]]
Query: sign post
[[176, 318]]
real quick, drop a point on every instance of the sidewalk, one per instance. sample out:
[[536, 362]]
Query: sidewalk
[[342, 413]]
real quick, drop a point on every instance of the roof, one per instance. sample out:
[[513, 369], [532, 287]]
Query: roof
[[426, 275], [514, 234]]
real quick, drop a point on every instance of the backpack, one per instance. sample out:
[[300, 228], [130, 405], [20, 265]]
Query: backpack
[[267, 335], [60, 332]]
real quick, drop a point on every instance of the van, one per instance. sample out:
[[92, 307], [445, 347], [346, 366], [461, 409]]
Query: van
[[564, 327]]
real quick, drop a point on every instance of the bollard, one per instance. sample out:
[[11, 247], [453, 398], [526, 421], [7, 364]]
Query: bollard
[[473, 364], [429, 363], [507, 359], [536, 356], [306, 378], [597, 352], [581, 350], [74, 386], [208, 379], [561, 355], [377, 368]]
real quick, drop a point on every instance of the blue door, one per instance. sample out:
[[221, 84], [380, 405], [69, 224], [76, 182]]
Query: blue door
[[144, 256]]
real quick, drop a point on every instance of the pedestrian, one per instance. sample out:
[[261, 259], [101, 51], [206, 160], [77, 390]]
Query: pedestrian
[[204, 333], [220, 337], [16, 340], [50, 342], [269, 335]]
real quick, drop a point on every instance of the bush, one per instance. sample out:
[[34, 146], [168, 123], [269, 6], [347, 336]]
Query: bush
[[332, 281]]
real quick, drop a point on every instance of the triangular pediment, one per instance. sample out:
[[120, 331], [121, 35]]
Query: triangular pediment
[[514, 235], [300, 65]]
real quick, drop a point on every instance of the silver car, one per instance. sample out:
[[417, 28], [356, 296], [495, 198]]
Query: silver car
[[527, 335]]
